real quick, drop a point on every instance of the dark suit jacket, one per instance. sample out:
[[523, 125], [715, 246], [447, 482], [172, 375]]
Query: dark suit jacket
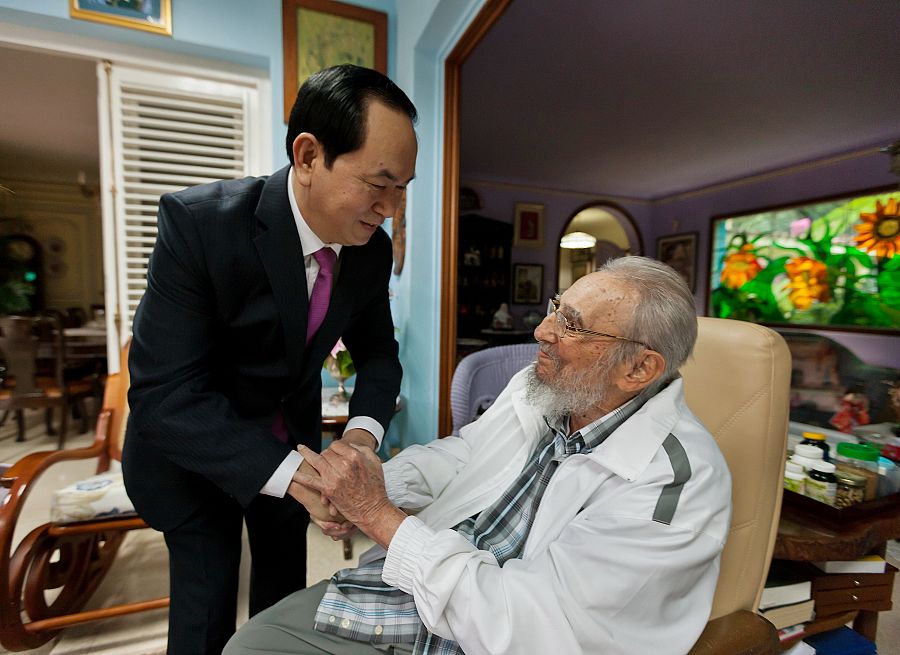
[[219, 346]]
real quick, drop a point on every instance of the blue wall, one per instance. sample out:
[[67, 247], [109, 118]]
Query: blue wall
[[236, 32]]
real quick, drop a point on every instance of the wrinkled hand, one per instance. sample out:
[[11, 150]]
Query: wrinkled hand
[[350, 476], [321, 511]]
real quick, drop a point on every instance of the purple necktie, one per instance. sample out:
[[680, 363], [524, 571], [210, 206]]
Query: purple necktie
[[318, 306], [321, 293]]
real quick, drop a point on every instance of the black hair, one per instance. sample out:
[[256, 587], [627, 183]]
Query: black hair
[[331, 105]]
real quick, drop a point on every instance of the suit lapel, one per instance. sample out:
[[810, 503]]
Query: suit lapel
[[281, 254]]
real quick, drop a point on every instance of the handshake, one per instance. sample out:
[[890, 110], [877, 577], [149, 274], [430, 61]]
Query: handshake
[[343, 487]]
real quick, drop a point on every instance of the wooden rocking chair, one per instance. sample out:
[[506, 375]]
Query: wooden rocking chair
[[66, 559]]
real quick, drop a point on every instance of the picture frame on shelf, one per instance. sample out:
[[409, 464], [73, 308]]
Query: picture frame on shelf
[[680, 252], [317, 34], [153, 16], [528, 284], [528, 228]]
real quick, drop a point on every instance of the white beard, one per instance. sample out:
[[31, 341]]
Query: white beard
[[568, 394]]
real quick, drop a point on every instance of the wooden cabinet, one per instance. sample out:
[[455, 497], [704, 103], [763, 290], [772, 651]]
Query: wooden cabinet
[[483, 272], [844, 592], [840, 598]]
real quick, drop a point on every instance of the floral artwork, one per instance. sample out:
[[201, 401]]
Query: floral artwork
[[834, 263]]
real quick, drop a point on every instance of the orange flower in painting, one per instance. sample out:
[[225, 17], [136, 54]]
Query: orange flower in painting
[[808, 282], [879, 231], [740, 267]]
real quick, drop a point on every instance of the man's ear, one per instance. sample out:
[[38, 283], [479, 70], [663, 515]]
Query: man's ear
[[648, 367], [308, 154]]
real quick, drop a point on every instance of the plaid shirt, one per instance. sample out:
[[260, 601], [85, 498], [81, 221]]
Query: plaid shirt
[[358, 605]]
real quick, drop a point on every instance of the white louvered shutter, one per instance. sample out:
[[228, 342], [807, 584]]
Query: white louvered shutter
[[165, 132]]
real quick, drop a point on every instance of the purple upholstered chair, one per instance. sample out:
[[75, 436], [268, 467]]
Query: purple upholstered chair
[[480, 377]]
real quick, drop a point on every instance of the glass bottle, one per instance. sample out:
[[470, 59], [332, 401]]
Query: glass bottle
[[821, 484]]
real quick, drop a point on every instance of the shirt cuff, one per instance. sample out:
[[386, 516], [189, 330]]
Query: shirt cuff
[[369, 425], [407, 545], [281, 479]]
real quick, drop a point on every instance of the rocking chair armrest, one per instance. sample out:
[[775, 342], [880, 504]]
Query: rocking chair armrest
[[21, 476]]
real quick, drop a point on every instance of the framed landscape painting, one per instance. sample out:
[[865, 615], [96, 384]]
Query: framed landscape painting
[[317, 34], [832, 263]]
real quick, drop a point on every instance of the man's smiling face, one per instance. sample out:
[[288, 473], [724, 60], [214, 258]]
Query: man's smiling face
[[350, 200]]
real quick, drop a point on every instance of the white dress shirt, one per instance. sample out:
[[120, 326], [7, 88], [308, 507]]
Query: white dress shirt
[[278, 484]]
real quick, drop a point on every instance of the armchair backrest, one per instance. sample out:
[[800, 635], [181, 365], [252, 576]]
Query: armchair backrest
[[738, 384], [480, 377]]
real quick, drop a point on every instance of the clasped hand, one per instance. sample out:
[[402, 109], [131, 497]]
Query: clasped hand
[[350, 477]]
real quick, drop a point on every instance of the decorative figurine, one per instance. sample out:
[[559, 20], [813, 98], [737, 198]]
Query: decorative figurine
[[502, 318], [854, 411]]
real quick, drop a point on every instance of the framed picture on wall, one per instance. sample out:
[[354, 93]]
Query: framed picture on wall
[[528, 284], [317, 34], [528, 230], [150, 16], [680, 252], [827, 263]]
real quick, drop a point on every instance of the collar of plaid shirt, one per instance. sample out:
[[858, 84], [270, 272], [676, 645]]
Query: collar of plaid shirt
[[358, 605]]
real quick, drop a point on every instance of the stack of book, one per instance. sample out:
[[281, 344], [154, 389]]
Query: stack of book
[[787, 597]]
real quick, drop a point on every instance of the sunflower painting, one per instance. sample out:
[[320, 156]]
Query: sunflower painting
[[828, 264]]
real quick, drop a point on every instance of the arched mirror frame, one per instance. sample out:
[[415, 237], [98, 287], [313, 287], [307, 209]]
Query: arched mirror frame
[[623, 218]]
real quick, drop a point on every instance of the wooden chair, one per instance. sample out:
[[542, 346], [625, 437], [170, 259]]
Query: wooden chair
[[34, 349], [68, 559]]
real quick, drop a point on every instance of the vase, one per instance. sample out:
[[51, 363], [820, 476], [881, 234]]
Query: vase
[[334, 370]]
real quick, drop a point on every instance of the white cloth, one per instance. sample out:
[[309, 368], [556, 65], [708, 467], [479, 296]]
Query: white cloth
[[598, 574]]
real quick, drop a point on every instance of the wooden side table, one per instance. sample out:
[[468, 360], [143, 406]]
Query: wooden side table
[[804, 538]]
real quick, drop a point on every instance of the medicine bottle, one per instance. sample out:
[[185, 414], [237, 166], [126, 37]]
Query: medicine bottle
[[851, 489], [806, 455], [860, 459], [817, 439], [794, 480], [821, 484]]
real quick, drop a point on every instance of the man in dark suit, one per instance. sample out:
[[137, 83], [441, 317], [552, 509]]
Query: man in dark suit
[[230, 337]]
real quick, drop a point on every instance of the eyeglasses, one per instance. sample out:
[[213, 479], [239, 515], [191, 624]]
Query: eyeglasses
[[562, 328]]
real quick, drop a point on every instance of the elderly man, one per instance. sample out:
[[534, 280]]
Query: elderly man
[[584, 512]]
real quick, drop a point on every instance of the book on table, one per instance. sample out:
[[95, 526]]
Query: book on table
[[785, 616], [868, 564], [787, 583]]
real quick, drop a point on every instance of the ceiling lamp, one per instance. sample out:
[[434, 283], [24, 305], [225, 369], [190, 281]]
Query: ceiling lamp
[[575, 240]]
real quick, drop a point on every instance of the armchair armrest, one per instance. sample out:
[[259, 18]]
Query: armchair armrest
[[738, 633]]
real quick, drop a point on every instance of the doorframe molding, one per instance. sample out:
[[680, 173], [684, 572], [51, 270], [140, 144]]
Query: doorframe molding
[[476, 31]]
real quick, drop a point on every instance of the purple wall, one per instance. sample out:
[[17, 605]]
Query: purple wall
[[849, 176], [693, 213], [499, 203]]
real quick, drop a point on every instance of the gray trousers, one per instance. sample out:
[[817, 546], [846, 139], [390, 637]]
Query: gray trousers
[[287, 627]]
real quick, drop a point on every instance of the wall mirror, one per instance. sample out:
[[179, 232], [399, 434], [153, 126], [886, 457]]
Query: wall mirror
[[593, 235]]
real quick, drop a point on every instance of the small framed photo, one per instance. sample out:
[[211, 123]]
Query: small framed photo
[[528, 284], [680, 252], [528, 231], [317, 34], [148, 15]]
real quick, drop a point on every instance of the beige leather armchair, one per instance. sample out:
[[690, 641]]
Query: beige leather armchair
[[738, 384]]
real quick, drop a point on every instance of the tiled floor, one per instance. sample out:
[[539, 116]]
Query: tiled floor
[[140, 570]]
